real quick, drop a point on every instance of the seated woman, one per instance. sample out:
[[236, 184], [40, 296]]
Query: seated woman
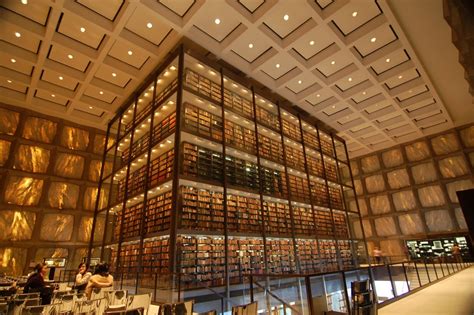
[[100, 279], [82, 278], [35, 283]]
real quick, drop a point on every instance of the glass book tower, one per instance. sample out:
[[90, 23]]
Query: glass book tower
[[206, 177]]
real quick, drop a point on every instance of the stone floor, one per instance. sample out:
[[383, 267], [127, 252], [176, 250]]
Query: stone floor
[[452, 296]]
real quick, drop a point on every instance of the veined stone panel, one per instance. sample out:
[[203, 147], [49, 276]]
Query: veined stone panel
[[23, 191], [12, 260], [8, 121], [404, 200], [42, 253], [456, 186], [431, 196], [32, 159], [398, 179], [460, 218], [411, 224], [39, 129], [392, 158], [439, 221], [385, 226], [424, 173], [370, 164], [453, 166], [16, 225], [367, 228], [380, 204], [75, 138], [362, 206], [467, 136], [471, 158], [359, 190], [90, 197], [374, 183], [94, 170], [354, 168], [417, 151], [85, 228], [392, 248], [63, 195], [445, 144], [57, 227], [69, 165], [4, 151]]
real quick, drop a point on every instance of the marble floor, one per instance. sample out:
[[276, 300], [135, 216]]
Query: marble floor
[[452, 296]]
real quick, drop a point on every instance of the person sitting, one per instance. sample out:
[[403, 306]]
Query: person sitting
[[82, 278], [35, 283], [100, 279]]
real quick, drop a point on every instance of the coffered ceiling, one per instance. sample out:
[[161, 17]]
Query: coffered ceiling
[[355, 65]]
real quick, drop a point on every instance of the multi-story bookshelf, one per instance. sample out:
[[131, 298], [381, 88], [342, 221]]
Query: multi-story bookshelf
[[212, 180]]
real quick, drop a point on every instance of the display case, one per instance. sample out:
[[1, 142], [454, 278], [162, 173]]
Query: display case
[[213, 181]]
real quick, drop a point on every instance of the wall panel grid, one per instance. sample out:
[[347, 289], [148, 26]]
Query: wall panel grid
[[240, 183], [47, 171], [420, 181]]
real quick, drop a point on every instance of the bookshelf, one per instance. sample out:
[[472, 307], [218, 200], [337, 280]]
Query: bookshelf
[[209, 180]]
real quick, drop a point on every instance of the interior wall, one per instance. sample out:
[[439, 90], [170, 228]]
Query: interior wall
[[409, 191], [49, 169]]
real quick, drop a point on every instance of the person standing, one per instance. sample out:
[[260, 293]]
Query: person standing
[[456, 252], [377, 255], [82, 278]]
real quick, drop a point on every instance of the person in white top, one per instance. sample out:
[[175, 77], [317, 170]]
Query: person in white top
[[82, 278]]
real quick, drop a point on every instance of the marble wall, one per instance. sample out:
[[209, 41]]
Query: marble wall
[[49, 170], [409, 191]]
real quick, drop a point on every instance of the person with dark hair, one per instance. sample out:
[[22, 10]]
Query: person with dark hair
[[35, 283], [100, 279], [82, 278]]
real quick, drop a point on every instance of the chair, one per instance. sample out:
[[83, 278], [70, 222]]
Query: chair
[[139, 301], [212, 312], [182, 308], [22, 296], [118, 297], [57, 296], [134, 311], [90, 307], [67, 303], [20, 304], [247, 309], [3, 307], [40, 309], [99, 293]]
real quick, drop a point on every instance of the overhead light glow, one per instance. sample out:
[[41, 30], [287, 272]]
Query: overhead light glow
[[83, 29], [400, 76], [70, 56], [130, 52], [13, 60], [286, 17], [24, 1], [90, 107], [250, 45], [52, 95], [354, 14], [17, 34], [149, 25], [299, 82], [114, 74], [217, 21], [387, 60], [318, 95], [311, 42], [9, 81], [61, 78], [333, 62], [373, 39], [101, 92], [277, 65], [350, 79]]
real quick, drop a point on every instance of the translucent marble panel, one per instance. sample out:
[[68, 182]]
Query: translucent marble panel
[[445, 144], [31, 159], [358, 187], [392, 248], [63, 195], [357, 230], [345, 172], [74, 138], [362, 206], [51, 252], [23, 191], [431, 196], [417, 151], [467, 136], [39, 129], [8, 121], [4, 151], [79, 254], [411, 224], [404, 200], [355, 168], [90, 197], [69, 165], [460, 218], [99, 144], [374, 183], [457, 186], [471, 158], [12, 259], [424, 173], [398, 178], [16, 225], [439, 221], [85, 229], [57, 227], [94, 170], [385, 226], [380, 204], [370, 164], [454, 166], [392, 158], [367, 228]]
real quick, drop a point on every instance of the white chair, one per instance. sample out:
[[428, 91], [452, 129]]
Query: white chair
[[90, 307], [117, 297], [99, 293], [20, 304], [41, 309], [139, 301]]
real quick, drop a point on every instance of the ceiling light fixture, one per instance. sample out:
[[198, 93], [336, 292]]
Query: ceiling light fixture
[[318, 95], [52, 95], [101, 92], [70, 56], [83, 29], [299, 82], [217, 21], [149, 25], [373, 39], [286, 17], [90, 107], [114, 74], [17, 34], [387, 60], [333, 62], [363, 93], [130, 52], [350, 79], [354, 14], [9, 81], [250, 45], [13, 60], [24, 1], [400, 76], [61, 78], [277, 65], [311, 42]]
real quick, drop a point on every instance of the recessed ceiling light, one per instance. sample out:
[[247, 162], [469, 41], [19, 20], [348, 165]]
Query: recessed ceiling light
[[70, 56], [311, 42], [13, 60], [318, 95], [350, 79], [387, 60], [410, 91], [24, 1], [400, 76], [61, 78], [9, 81], [286, 17], [130, 52], [217, 21], [250, 45], [333, 106], [363, 93], [373, 39], [333, 62], [17, 34], [101, 92], [277, 65], [172, 68], [149, 25], [52, 95], [354, 14], [114, 74], [83, 29], [299, 82], [90, 107]]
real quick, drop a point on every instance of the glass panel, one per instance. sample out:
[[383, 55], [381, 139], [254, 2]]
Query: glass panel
[[383, 285], [31, 159], [56, 227], [422, 273], [328, 294], [432, 271], [399, 280], [412, 276]]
